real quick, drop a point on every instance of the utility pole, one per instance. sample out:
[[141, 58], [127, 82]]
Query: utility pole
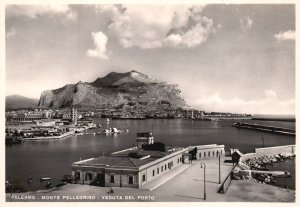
[[202, 165], [121, 179], [219, 167]]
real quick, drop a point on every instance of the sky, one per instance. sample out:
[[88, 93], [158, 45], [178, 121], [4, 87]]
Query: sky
[[226, 58]]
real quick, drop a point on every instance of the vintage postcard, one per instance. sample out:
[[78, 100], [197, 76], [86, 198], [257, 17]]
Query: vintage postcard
[[132, 102]]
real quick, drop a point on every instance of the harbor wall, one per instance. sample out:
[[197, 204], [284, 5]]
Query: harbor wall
[[51, 137], [269, 151]]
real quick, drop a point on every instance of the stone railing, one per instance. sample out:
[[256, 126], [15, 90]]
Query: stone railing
[[226, 183]]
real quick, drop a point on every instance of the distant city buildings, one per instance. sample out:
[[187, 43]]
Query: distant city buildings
[[74, 116]]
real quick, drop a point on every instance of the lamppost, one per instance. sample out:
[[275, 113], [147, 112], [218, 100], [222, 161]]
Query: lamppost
[[10, 184], [219, 154], [121, 179], [202, 165]]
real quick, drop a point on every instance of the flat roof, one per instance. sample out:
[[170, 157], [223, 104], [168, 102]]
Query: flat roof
[[46, 120], [121, 159], [118, 161]]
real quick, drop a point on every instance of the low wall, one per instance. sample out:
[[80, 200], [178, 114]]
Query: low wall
[[226, 183], [288, 149], [268, 151]]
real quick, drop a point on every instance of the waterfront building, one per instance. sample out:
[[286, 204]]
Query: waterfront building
[[74, 116], [27, 116], [137, 166], [132, 167], [207, 151], [45, 122]]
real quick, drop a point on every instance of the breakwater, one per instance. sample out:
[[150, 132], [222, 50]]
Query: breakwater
[[50, 137], [272, 129]]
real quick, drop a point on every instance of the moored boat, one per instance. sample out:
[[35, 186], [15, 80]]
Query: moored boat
[[45, 179]]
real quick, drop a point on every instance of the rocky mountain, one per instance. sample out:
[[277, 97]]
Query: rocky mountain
[[116, 90], [17, 102]]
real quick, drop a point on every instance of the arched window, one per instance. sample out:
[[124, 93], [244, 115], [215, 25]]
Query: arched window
[[208, 153]]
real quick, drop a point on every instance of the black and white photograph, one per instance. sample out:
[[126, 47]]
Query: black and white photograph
[[149, 102]]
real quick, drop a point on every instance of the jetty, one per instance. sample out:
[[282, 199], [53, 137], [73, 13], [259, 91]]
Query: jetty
[[272, 129], [49, 137]]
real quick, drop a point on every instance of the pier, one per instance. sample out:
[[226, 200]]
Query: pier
[[272, 129]]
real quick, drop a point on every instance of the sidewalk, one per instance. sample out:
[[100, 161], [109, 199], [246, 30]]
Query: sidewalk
[[165, 177]]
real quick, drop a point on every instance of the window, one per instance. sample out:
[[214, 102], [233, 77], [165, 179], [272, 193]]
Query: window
[[162, 168], [209, 154], [157, 170], [153, 172], [77, 176], [213, 153], [130, 181], [204, 154], [144, 178], [90, 176], [200, 155], [112, 179], [165, 166]]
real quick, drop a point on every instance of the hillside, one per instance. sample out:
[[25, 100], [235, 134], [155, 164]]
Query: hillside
[[17, 101], [116, 90]]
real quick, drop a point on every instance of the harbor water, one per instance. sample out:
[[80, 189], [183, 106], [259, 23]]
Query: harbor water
[[53, 158]]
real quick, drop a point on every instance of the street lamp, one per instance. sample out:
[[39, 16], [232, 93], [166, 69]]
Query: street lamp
[[219, 167], [121, 179], [11, 187], [202, 165]]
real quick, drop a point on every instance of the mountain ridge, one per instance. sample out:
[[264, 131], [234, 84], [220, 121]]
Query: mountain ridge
[[122, 90]]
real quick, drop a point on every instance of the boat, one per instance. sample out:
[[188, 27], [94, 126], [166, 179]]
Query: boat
[[66, 178], [49, 185], [99, 125], [111, 131], [45, 179], [29, 180], [106, 131]]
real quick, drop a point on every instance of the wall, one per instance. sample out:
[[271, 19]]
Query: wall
[[165, 164], [260, 152], [118, 178], [209, 151], [226, 183]]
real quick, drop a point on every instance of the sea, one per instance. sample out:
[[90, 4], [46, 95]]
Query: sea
[[53, 158]]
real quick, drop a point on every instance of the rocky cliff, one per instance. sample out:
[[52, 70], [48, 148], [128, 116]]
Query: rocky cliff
[[116, 90]]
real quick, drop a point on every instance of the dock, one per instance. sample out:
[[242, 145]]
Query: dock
[[272, 129]]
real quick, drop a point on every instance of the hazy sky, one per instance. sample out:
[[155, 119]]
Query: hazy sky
[[235, 58]]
